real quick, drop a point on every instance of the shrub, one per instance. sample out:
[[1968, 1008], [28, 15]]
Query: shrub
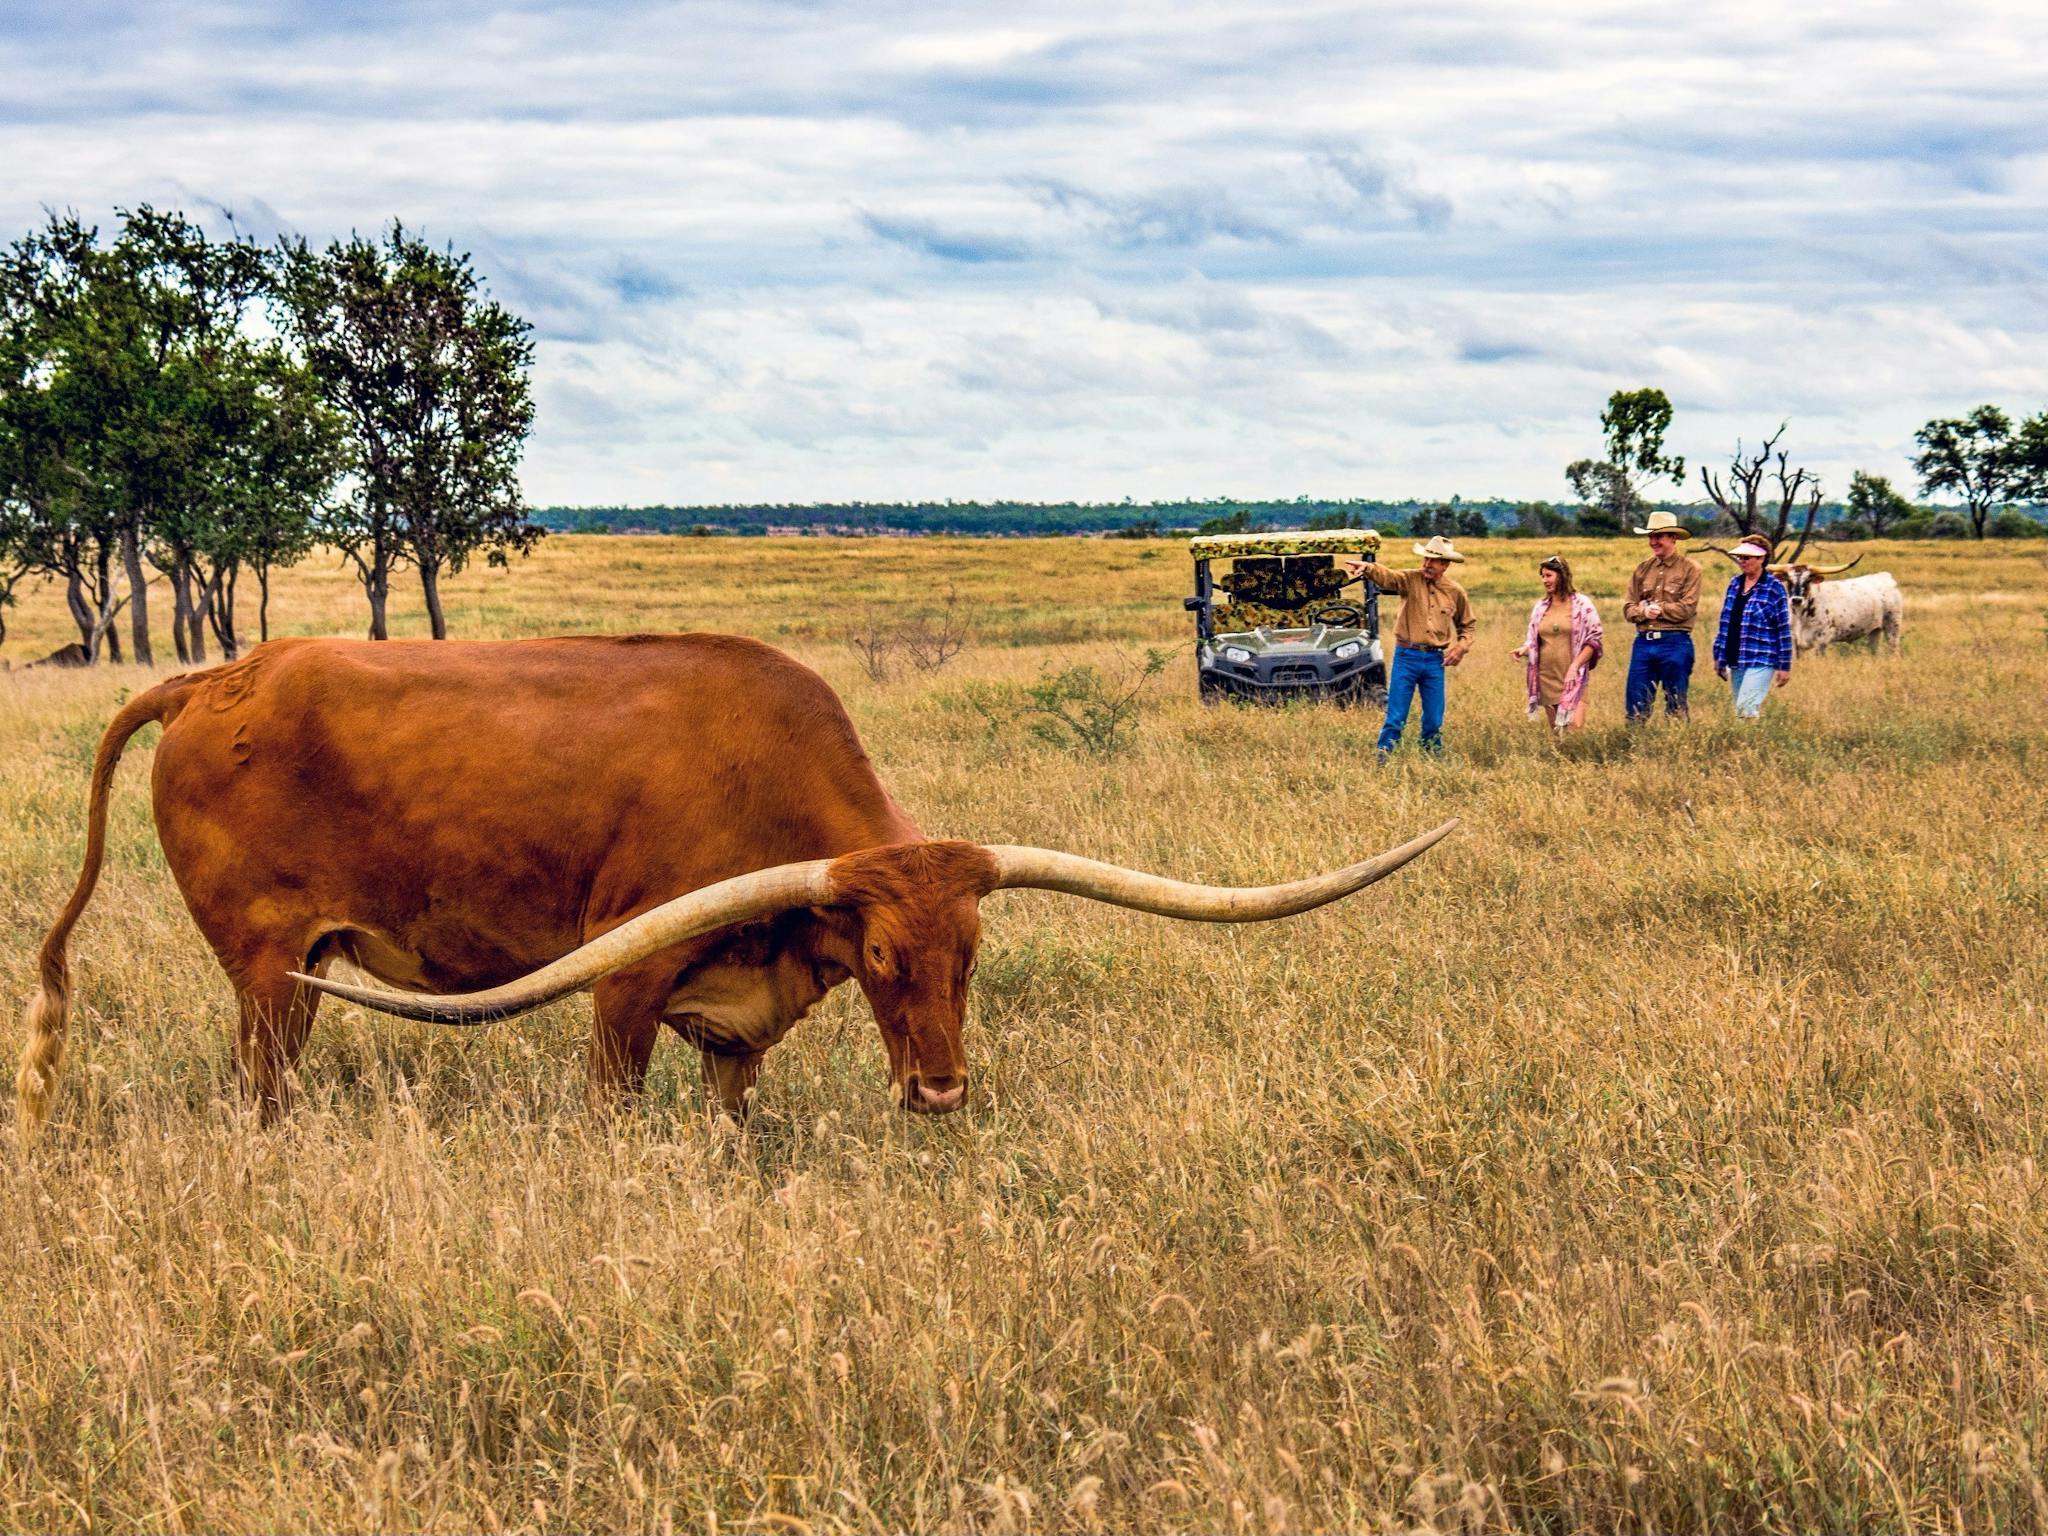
[[1076, 708], [2012, 523], [927, 642], [1949, 525], [874, 642], [1538, 520], [1320, 522], [932, 640]]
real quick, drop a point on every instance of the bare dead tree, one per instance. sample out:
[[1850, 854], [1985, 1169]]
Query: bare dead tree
[[932, 641], [1742, 497], [874, 642]]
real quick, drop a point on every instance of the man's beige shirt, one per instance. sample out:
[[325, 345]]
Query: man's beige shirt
[[1674, 583], [1432, 612]]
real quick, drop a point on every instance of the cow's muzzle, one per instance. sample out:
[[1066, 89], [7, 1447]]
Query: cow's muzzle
[[933, 1095]]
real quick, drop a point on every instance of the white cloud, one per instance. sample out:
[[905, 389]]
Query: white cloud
[[789, 251]]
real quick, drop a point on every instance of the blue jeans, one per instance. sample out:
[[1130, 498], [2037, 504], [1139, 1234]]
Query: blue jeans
[[1752, 685], [1414, 671], [1659, 656]]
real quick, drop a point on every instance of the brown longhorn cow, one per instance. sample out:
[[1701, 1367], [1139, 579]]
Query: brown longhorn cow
[[687, 825]]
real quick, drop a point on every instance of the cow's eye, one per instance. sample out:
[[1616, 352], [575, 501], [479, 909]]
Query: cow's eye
[[875, 953]]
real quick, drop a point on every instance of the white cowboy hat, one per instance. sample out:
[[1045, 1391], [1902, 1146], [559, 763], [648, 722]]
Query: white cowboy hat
[[1439, 548], [1751, 547], [1666, 522]]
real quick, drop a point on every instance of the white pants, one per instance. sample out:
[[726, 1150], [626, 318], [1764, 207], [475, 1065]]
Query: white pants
[[1752, 686]]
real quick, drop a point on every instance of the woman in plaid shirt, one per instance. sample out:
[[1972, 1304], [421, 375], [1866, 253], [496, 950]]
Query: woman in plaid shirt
[[1755, 637]]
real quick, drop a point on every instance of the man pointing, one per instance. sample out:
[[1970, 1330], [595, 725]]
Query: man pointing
[[1434, 631]]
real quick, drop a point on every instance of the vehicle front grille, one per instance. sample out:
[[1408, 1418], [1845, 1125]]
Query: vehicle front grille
[[1297, 672]]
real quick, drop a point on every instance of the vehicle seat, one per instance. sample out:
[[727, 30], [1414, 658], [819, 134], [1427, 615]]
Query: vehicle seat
[[1276, 593]]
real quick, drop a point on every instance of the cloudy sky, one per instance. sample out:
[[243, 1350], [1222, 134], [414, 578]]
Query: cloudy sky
[[782, 251]]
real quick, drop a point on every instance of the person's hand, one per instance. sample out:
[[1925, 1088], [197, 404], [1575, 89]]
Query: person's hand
[[1354, 567], [1721, 672], [1520, 652], [1456, 654], [1652, 610], [1784, 678], [1571, 678]]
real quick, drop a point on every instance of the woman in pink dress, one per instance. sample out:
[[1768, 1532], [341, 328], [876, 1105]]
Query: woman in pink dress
[[1563, 646]]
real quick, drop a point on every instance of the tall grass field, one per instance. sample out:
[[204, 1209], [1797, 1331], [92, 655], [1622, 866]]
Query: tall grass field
[[1661, 1152]]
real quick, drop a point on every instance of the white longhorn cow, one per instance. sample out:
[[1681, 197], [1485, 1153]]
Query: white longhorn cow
[[1826, 611]]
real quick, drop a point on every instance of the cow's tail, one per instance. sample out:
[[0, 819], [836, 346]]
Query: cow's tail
[[49, 1009]]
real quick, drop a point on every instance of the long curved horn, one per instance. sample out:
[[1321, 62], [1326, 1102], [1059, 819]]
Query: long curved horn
[[809, 884], [714, 906], [1816, 570], [1046, 870]]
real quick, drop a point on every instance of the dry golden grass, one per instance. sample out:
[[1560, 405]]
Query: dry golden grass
[[1661, 1153]]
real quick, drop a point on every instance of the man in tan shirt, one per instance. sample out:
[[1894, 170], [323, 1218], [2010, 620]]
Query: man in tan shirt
[[1434, 631], [1663, 597]]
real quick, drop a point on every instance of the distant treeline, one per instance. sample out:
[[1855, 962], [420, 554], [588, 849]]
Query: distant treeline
[[987, 518], [1036, 518], [1997, 464], [1498, 518]]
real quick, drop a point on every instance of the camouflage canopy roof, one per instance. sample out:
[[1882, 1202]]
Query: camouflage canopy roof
[[1334, 541]]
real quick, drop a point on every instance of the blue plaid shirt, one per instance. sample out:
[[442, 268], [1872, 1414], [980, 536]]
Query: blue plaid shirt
[[1766, 638]]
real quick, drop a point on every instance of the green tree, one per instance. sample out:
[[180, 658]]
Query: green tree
[[173, 303], [1322, 522], [1538, 520], [282, 453], [1448, 521], [2030, 459], [431, 378], [1634, 425], [122, 417], [1973, 456], [52, 490], [1610, 490], [1607, 497], [1875, 505]]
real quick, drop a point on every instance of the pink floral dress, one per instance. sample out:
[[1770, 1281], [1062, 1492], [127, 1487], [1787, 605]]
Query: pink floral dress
[[1586, 632]]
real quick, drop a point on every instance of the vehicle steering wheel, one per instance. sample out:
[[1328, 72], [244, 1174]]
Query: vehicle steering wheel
[[1345, 615]]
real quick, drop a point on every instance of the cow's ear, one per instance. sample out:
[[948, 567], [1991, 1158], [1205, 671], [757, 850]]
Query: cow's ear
[[836, 937]]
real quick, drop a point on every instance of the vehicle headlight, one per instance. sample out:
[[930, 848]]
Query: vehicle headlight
[[1238, 654], [1348, 649]]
